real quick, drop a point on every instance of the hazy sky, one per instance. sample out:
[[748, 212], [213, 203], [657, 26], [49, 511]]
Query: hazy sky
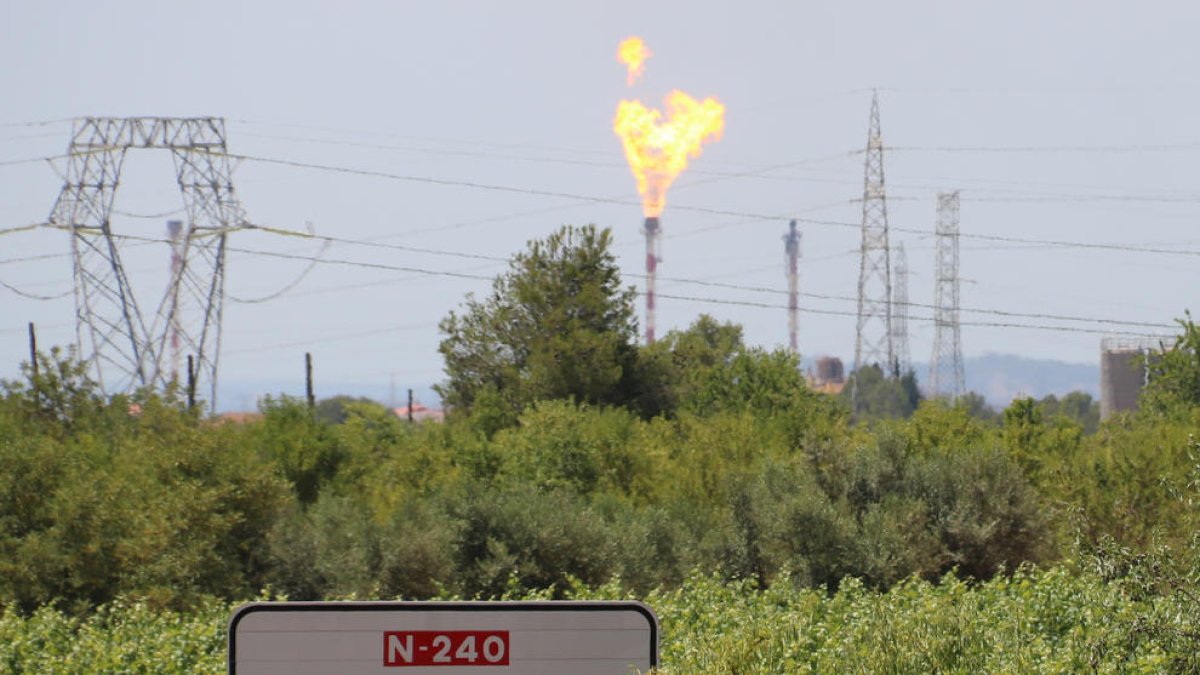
[[1065, 121]]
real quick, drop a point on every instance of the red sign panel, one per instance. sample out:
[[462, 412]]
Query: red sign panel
[[445, 648]]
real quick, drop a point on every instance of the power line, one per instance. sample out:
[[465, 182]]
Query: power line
[[758, 173], [32, 258], [325, 290], [31, 160], [38, 123], [435, 151], [973, 310], [554, 160], [1165, 147], [35, 296], [720, 301], [748, 303], [750, 215], [699, 209], [316, 259], [25, 137], [738, 287], [473, 143], [288, 287], [332, 338], [359, 263], [928, 319], [22, 228]]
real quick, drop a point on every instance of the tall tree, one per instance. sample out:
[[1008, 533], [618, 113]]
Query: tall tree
[[557, 324], [673, 370], [1174, 381], [880, 396]]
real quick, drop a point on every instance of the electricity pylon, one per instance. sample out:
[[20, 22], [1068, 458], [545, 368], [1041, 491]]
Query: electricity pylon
[[124, 350], [873, 336], [946, 369]]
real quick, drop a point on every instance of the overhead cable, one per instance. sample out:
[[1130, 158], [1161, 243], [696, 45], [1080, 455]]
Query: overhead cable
[[698, 209]]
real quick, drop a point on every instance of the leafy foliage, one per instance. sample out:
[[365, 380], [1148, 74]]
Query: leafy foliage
[[875, 396], [558, 324], [1174, 378], [1056, 620], [1077, 406], [698, 472]]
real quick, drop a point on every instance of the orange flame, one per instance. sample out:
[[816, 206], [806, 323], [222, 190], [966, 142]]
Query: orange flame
[[659, 151], [633, 53]]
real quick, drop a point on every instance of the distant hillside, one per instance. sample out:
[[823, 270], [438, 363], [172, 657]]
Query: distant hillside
[[998, 377], [1001, 377]]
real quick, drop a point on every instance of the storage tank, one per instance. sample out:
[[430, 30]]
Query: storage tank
[[1123, 373], [830, 369]]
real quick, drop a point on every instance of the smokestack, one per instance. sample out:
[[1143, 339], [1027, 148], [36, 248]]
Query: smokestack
[[175, 235], [792, 250], [653, 231]]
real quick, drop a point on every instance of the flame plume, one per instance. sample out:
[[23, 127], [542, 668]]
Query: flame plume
[[633, 53], [657, 150]]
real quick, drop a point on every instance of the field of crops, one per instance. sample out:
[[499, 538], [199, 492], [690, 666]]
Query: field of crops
[[1048, 621]]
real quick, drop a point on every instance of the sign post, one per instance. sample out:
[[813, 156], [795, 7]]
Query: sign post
[[443, 638]]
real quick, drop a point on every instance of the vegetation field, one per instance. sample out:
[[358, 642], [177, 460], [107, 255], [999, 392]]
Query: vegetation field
[[773, 528], [1050, 621]]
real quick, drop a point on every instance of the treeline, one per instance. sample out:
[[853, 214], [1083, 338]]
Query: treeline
[[168, 506], [573, 455], [164, 505]]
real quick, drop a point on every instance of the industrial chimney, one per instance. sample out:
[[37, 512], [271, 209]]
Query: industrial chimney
[[653, 232]]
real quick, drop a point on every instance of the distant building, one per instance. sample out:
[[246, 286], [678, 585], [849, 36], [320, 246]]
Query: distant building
[[420, 413], [827, 376], [1123, 373]]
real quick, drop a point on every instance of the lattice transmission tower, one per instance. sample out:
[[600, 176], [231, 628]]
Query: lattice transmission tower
[[946, 369], [900, 309], [873, 336], [125, 346], [791, 247]]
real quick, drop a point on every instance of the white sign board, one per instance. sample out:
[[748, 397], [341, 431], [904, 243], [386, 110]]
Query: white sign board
[[442, 638]]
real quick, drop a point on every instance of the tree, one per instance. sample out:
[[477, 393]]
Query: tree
[[1174, 380], [976, 406], [1077, 406], [708, 369], [558, 324], [677, 367], [878, 396], [337, 409]]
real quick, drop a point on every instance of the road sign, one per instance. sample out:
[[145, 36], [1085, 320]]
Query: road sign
[[442, 638]]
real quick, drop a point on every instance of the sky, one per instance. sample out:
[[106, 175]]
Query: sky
[[1057, 122]]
